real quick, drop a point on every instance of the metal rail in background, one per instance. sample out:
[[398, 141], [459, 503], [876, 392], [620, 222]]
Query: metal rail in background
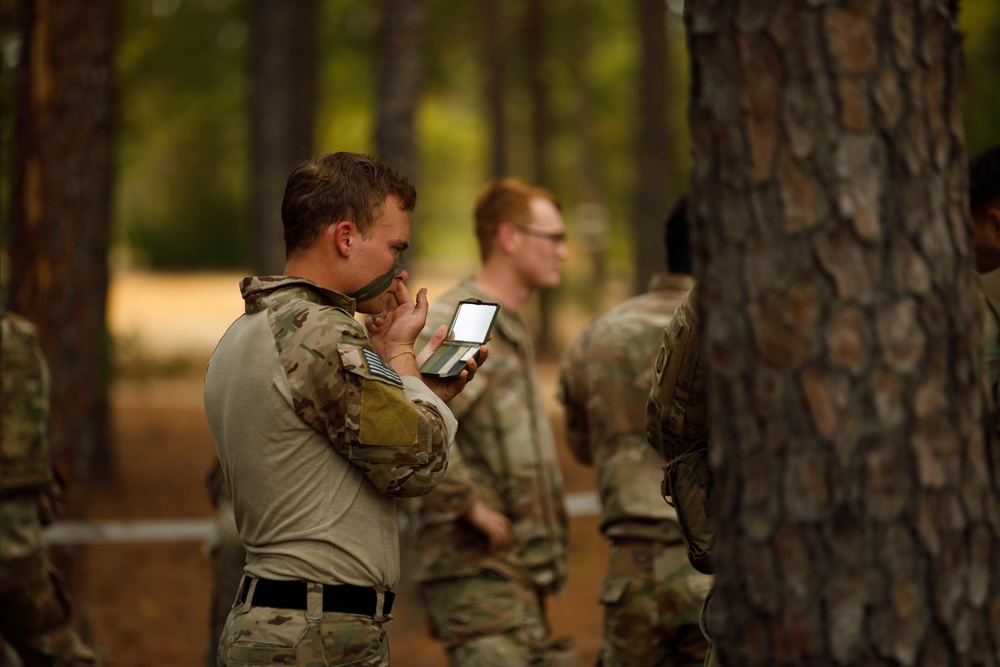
[[182, 530]]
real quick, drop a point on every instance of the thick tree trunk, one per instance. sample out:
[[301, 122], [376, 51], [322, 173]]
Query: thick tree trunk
[[283, 61], [60, 210], [856, 504], [653, 146]]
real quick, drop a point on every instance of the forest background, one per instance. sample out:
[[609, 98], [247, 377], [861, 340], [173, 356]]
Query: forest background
[[589, 98]]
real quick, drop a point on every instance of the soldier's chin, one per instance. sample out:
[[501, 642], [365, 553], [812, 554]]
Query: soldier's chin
[[550, 282], [372, 306]]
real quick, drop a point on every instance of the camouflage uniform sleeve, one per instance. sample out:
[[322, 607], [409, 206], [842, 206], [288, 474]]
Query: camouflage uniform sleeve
[[676, 414], [397, 432], [453, 496], [654, 406], [575, 405], [24, 410]]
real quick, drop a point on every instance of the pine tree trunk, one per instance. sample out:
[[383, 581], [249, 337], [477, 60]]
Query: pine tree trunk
[[495, 86], [60, 210], [856, 504], [283, 92], [399, 61], [652, 145]]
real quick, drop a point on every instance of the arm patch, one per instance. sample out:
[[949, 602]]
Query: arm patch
[[379, 368], [387, 416]]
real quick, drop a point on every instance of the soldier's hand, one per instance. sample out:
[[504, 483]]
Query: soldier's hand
[[494, 525], [448, 388], [396, 328]]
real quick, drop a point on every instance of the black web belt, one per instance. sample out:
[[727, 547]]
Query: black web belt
[[342, 599]]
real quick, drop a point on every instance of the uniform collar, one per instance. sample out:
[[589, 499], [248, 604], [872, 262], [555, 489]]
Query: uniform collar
[[670, 281], [256, 289]]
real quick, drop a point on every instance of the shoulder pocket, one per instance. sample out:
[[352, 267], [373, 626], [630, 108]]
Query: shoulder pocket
[[381, 412]]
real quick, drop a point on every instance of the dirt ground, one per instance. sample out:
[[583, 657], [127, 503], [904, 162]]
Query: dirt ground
[[145, 604]]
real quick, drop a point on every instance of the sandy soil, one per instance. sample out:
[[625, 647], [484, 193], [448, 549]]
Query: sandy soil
[[145, 604]]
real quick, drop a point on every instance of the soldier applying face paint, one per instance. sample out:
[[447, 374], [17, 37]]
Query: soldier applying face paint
[[320, 426]]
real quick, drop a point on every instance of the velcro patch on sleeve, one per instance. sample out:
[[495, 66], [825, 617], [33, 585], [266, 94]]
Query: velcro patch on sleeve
[[387, 416], [378, 368]]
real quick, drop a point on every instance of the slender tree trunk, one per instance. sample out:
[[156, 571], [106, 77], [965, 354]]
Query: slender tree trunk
[[653, 146], [536, 50], [591, 218], [283, 61], [399, 83], [857, 504], [495, 46], [60, 212]]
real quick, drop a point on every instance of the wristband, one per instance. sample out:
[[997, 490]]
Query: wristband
[[399, 354]]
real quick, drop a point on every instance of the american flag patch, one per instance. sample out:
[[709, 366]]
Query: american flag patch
[[379, 368]]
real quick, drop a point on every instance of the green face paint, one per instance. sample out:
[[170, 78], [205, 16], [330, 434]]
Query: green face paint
[[380, 284]]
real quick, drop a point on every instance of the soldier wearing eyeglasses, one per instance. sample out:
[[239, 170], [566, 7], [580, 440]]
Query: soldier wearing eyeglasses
[[490, 542]]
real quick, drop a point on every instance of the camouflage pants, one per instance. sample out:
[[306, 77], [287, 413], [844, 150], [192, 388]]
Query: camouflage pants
[[225, 549], [652, 607], [308, 638], [490, 621], [34, 611]]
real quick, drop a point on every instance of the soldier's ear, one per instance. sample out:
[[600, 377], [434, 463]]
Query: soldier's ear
[[342, 235], [507, 237]]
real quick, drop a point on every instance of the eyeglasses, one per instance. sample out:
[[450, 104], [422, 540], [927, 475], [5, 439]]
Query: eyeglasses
[[555, 237]]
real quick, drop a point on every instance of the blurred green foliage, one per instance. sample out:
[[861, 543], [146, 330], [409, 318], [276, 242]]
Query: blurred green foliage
[[182, 150], [181, 191], [182, 182], [979, 21]]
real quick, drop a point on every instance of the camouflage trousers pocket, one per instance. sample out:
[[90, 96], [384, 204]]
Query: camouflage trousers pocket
[[487, 604], [266, 636]]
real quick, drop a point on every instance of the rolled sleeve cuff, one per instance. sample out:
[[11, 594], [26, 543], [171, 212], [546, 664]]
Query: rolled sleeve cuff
[[415, 390]]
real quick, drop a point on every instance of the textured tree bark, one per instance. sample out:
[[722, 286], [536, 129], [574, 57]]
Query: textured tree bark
[[652, 145], [856, 498], [60, 211], [283, 61]]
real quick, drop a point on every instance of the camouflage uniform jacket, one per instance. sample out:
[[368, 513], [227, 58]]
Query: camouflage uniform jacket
[[604, 383], [991, 327], [24, 409], [317, 436], [507, 459], [677, 429]]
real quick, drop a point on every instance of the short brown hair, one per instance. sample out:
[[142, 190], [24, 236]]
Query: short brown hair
[[505, 200], [331, 187]]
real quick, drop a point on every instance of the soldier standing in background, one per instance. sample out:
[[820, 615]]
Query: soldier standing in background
[[490, 541], [34, 610], [984, 206], [320, 426], [652, 596]]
